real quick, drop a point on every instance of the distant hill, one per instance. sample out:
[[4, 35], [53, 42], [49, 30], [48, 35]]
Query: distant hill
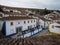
[[37, 11]]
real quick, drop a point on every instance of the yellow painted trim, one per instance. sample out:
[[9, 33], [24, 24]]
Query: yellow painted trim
[[53, 33]]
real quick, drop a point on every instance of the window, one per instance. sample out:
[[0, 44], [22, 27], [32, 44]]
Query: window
[[11, 23], [52, 26], [11, 10], [24, 22], [28, 21], [18, 22], [34, 20], [34, 25], [31, 21], [0, 15]]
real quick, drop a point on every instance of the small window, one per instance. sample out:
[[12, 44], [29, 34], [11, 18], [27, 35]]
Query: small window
[[11, 23], [34, 25], [31, 21], [18, 22], [34, 20], [0, 15], [28, 21], [24, 22], [11, 10], [52, 26]]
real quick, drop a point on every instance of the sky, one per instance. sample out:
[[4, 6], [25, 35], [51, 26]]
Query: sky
[[49, 4]]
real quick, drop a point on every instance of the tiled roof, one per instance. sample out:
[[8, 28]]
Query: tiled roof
[[11, 13], [16, 18], [44, 19], [55, 18]]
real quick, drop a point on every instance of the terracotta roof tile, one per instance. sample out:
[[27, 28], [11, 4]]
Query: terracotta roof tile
[[42, 18], [11, 13], [55, 18], [16, 18]]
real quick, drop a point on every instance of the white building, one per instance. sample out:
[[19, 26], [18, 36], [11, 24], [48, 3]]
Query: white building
[[15, 24], [54, 16], [55, 28], [44, 22]]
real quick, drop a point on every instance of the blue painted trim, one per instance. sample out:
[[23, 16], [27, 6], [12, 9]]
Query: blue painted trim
[[23, 33], [4, 28], [35, 33], [31, 31], [9, 36]]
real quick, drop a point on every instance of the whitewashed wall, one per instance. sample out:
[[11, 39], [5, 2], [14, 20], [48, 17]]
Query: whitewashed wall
[[42, 23], [55, 29], [12, 29]]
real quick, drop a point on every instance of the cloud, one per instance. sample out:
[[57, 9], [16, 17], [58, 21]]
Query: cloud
[[50, 4]]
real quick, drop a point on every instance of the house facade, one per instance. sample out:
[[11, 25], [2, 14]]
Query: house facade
[[44, 22], [16, 24], [54, 28]]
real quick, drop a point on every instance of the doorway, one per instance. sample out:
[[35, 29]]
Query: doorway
[[18, 30]]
